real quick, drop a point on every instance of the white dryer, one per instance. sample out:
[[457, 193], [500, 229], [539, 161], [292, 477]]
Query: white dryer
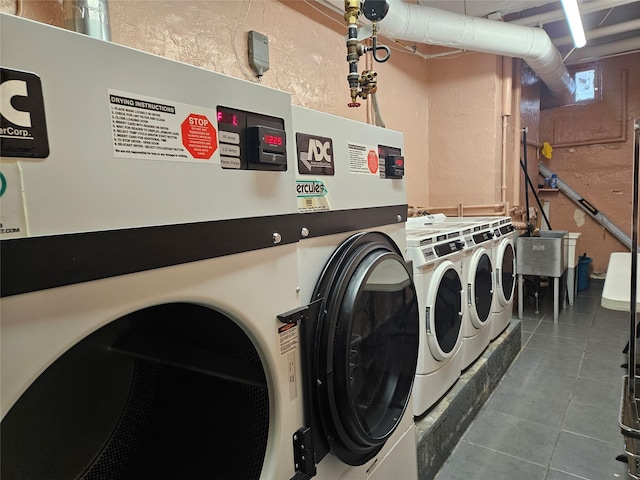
[[359, 314], [437, 258], [149, 242]]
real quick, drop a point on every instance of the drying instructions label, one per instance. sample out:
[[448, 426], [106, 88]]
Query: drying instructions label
[[156, 129], [363, 159]]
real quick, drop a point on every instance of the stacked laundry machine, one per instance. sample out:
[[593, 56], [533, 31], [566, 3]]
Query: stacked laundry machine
[[198, 280]]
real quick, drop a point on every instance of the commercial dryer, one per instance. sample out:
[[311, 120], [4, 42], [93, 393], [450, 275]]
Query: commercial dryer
[[358, 318], [149, 241]]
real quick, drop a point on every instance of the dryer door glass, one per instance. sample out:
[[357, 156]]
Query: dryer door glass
[[447, 318], [507, 274], [368, 345], [482, 290]]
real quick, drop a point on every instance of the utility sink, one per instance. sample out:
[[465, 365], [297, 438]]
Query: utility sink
[[544, 255]]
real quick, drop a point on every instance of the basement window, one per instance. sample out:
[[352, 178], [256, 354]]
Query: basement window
[[588, 81], [587, 84]]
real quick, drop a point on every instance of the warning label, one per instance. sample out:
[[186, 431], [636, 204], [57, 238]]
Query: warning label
[[153, 129], [199, 136], [363, 159], [288, 338]]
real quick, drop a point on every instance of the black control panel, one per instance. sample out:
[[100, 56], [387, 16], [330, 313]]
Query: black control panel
[[251, 141], [448, 247], [393, 162], [482, 237]]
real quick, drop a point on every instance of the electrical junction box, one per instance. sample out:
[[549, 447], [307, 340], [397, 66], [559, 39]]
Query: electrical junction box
[[258, 52]]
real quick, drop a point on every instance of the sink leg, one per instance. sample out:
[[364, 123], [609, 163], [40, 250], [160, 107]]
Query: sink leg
[[571, 278], [520, 295], [556, 291]]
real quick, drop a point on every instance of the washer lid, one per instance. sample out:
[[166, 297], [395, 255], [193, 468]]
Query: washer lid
[[365, 350]]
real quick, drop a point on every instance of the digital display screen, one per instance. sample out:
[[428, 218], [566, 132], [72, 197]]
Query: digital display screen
[[228, 118], [272, 140]]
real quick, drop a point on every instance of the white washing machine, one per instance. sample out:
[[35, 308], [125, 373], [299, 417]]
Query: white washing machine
[[149, 242], [437, 261], [504, 258], [359, 314], [477, 279], [500, 241]]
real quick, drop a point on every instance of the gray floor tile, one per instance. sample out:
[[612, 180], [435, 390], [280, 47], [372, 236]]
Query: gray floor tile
[[588, 458], [617, 337], [527, 379], [530, 324], [599, 349], [607, 371], [525, 336], [544, 407], [598, 394], [472, 462], [513, 436], [549, 343], [564, 362], [612, 320], [553, 474], [566, 330], [593, 422]]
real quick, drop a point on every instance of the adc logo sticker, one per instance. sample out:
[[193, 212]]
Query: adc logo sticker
[[23, 128], [315, 154]]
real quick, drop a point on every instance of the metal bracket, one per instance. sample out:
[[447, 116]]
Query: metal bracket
[[303, 454], [300, 313]]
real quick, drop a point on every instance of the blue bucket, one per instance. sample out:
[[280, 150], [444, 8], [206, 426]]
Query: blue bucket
[[584, 263]]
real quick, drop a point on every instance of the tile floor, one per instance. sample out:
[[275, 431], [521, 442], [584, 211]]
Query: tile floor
[[554, 415]]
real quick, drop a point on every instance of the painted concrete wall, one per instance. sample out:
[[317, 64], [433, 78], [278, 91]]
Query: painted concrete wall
[[601, 173], [464, 130]]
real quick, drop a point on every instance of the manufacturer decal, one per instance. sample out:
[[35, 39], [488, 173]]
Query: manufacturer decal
[[312, 196], [23, 126], [315, 155]]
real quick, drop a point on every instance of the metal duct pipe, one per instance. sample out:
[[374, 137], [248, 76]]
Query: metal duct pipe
[[587, 207], [90, 17], [422, 24]]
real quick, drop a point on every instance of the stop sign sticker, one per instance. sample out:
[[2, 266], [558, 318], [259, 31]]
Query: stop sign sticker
[[372, 161], [198, 136]]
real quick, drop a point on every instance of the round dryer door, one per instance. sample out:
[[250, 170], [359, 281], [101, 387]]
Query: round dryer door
[[505, 272], [480, 288], [366, 345], [444, 311]]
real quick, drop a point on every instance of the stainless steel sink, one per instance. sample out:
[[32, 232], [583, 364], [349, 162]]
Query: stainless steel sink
[[544, 255]]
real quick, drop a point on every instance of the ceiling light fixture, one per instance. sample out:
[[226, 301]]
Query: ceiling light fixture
[[572, 13]]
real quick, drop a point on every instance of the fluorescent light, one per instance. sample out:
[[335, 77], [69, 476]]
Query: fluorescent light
[[572, 13]]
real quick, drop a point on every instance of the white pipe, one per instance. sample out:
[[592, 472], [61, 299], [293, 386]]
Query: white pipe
[[601, 32], [620, 47], [438, 27], [557, 15]]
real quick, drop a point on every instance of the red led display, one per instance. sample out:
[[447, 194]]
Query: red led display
[[273, 140], [228, 118]]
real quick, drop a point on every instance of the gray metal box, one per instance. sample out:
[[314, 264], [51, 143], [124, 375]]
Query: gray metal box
[[544, 255]]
